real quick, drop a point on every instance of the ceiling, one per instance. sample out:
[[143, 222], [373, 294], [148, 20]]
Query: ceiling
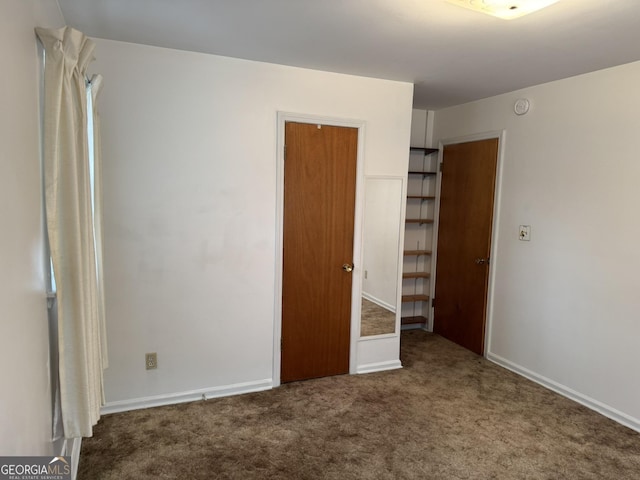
[[451, 54]]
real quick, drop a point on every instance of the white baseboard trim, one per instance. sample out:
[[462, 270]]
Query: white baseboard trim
[[189, 396], [606, 410], [379, 366], [380, 303]]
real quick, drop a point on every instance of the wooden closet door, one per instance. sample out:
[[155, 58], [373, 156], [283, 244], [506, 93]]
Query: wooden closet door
[[464, 242], [319, 206]]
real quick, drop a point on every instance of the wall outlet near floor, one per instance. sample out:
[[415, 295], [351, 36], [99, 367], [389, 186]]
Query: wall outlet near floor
[[524, 233], [151, 361]]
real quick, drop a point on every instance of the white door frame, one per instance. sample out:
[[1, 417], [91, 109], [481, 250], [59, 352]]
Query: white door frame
[[356, 289], [501, 136]]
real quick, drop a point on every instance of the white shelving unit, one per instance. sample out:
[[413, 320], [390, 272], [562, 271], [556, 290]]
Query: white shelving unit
[[419, 237]]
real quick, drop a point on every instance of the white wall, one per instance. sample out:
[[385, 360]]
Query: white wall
[[189, 143], [419, 128], [566, 305], [25, 403]]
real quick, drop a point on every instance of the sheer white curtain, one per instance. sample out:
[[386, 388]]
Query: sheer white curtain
[[70, 226], [94, 89]]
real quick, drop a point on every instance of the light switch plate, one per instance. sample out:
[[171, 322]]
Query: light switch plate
[[524, 233]]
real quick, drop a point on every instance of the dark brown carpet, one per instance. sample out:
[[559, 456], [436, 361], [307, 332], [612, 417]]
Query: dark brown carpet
[[447, 415]]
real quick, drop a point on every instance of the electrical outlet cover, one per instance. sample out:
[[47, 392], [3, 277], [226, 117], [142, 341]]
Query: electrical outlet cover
[[151, 361]]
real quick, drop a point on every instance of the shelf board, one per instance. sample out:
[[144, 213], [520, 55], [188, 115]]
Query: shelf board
[[416, 172], [425, 150], [415, 298], [409, 253], [413, 320], [416, 275], [418, 220], [423, 197]]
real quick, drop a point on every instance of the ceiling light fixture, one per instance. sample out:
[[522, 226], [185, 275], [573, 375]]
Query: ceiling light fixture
[[505, 9]]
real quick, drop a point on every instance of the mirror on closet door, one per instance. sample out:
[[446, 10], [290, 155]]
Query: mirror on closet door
[[381, 254]]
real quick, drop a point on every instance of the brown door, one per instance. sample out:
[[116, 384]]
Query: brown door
[[319, 205], [464, 242]]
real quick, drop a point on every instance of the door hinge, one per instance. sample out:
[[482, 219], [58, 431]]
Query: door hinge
[[440, 165], [433, 302], [285, 152], [281, 344]]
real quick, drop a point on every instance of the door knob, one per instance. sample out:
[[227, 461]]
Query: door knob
[[348, 267], [482, 261]]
